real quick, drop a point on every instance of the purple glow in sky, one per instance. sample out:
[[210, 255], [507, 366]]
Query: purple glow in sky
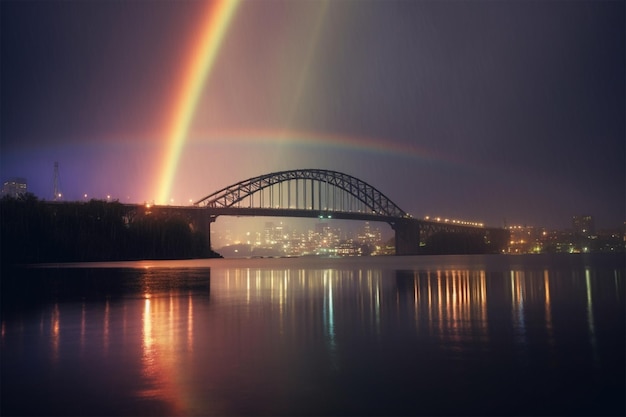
[[477, 110]]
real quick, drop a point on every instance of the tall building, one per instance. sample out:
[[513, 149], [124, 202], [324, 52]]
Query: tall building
[[583, 225], [273, 233], [14, 187]]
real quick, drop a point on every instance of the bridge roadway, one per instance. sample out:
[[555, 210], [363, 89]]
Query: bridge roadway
[[292, 212], [211, 213]]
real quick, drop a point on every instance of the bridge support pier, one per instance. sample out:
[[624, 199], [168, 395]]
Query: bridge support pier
[[407, 236], [202, 223]]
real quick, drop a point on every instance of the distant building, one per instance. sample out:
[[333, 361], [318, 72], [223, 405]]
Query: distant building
[[14, 187], [273, 233], [583, 225], [525, 239]]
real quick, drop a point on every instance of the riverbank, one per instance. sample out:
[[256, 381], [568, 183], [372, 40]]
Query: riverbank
[[34, 231]]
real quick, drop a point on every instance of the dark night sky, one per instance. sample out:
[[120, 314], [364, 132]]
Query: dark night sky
[[478, 110]]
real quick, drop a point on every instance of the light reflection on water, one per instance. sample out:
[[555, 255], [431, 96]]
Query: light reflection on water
[[432, 335]]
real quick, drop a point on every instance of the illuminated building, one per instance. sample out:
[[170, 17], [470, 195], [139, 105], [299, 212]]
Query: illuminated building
[[273, 233], [14, 187], [526, 239]]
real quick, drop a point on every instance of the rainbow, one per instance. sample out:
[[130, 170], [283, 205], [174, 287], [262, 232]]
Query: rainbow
[[218, 17], [286, 138]]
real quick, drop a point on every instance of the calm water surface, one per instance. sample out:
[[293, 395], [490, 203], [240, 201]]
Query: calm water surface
[[442, 335]]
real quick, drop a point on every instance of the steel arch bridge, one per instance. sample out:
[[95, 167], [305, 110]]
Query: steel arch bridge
[[304, 193], [323, 194]]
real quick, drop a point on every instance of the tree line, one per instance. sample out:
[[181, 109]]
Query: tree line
[[36, 231]]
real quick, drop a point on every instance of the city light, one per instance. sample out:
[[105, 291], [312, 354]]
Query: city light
[[278, 239], [454, 221]]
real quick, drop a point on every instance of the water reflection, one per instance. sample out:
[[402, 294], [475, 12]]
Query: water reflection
[[517, 306], [450, 304], [590, 320], [83, 328], [280, 340], [329, 317], [167, 342], [105, 326], [548, 309], [55, 336]]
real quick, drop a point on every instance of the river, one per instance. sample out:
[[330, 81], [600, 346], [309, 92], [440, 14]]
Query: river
[[429, 335]]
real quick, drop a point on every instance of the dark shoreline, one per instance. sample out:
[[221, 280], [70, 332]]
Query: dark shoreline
[[33, 231]]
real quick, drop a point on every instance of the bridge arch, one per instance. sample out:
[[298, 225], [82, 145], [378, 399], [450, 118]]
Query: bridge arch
[[308, 189]]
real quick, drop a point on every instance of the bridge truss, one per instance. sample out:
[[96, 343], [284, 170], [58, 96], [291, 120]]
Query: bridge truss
[[305, 189]]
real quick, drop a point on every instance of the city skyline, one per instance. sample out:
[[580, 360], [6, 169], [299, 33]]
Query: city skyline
[[305, 237], [477, 110]]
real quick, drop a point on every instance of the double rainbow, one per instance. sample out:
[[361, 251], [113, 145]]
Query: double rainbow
[[306, 139], [218, 17]]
